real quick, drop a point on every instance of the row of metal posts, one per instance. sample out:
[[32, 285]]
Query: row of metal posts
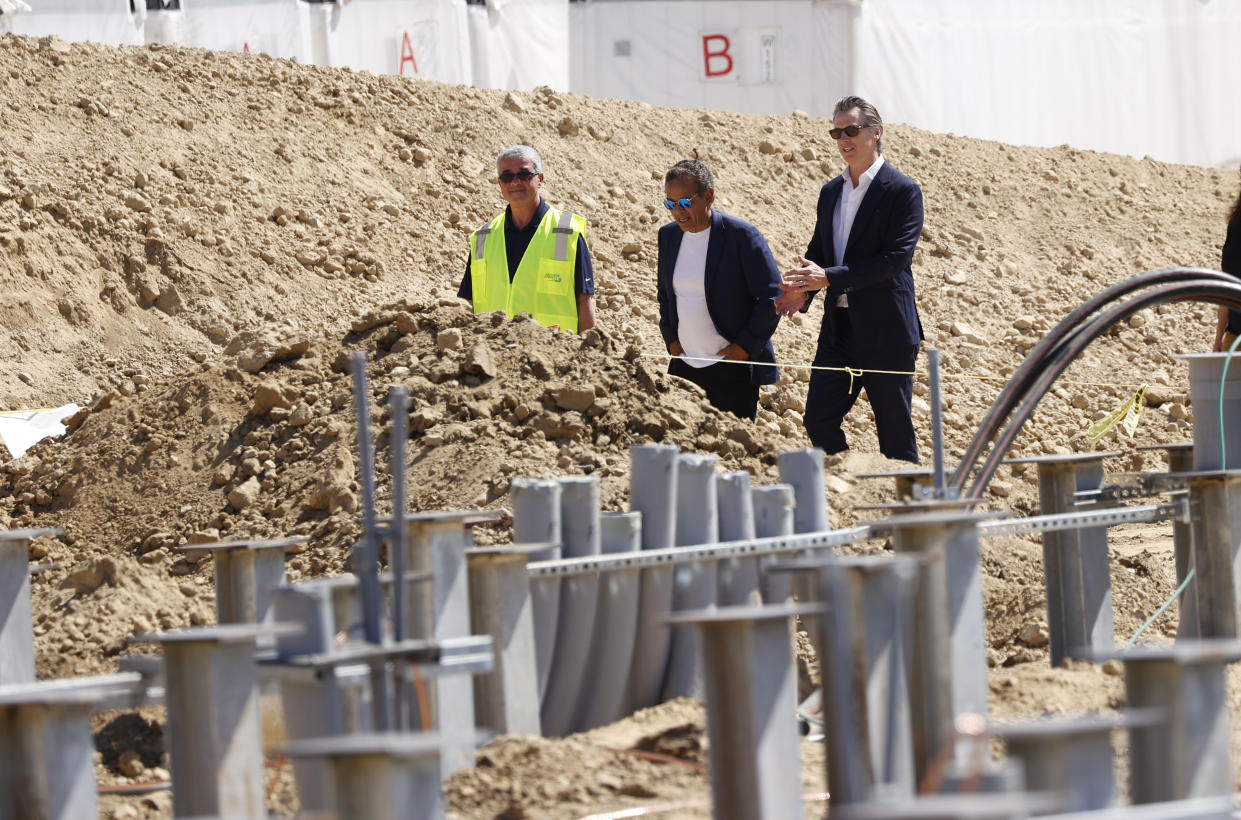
[[210, 660], [211, 681]]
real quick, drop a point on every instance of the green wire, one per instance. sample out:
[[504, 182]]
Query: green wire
[[1188, 577]]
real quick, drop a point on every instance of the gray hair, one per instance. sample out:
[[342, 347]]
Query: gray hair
[[870, 115], [691, 169], [521, 152]]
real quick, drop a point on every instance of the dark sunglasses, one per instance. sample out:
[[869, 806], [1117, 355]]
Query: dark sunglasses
[[847, 131], [525, 176], [684, 202]]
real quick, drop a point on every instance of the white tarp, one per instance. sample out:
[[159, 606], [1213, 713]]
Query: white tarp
[[1140, 77], [520, 44], [424, 38], [24, 429], [753, 56], [412, 38], [101, 21], [254, 26]]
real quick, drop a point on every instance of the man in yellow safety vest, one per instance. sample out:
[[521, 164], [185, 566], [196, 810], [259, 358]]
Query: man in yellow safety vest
[[532, 258]]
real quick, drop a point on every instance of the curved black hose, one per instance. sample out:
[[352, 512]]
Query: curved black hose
[[1226, 292], [1019, 384]]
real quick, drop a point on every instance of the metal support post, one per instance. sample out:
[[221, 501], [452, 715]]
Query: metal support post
[[436, 543], [213, 719], [1069, 757], [319, 706], [864, 648], [1215, 521], [696, 584], [1181, 460], [906, 481], [1207, 808], [803, 471], [653, 493], [16, 624], [1005, 806], [937, 424], [47, 752], [773, 516], [245, 574], [347, 669], [750, 699], [738, 576], [949, 625], [579, 596], [1075, 562], [1189, 753], [536, 514], [507, 700], [611, 648], [390, 776], [536, 520], [1216, 397]]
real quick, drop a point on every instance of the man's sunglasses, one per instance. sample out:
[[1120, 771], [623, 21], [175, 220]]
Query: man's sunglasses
[[847, 131], [525, 176], [684, 203]]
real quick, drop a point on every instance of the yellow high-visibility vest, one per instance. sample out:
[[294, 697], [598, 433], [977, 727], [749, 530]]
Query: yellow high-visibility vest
[[543, 285]]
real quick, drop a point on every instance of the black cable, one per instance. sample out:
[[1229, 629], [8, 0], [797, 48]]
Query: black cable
[[1215, 289], [1019, 384]]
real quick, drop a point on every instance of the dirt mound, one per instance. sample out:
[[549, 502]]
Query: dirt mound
[[191, 243]]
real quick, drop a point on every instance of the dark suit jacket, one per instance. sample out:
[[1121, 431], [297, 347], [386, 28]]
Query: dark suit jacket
[[1230, 262], [742, 281], [876, 272]]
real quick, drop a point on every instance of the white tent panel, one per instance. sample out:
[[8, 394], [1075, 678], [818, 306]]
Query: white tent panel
[[1140, 77], [413, 38], [101, 21], [255, 26], [520, 44], [754, 56]]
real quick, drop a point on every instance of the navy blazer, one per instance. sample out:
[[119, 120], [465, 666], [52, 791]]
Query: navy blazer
[[742, 281], [876, 273]]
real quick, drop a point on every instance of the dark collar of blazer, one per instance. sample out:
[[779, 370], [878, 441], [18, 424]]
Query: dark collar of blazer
[[875, 194], [715, 247]]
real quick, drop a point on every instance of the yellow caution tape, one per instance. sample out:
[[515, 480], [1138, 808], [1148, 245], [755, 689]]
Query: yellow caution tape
[[1127, 416]]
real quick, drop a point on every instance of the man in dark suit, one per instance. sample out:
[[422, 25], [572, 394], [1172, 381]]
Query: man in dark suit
[[717, 284], [869, 220]]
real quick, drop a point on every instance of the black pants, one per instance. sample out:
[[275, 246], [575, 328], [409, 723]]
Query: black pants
[[728, 386], [832, 393]]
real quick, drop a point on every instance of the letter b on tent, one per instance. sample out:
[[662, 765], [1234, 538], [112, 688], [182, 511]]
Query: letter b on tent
[[716, 61]]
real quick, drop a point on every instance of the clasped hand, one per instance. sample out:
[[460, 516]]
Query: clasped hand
[[797, 284]]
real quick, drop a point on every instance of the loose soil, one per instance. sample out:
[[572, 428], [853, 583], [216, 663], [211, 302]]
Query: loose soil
[[192, 244]]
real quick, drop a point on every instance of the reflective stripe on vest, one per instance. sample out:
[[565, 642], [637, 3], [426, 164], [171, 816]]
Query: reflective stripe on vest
[[563, 230], [543, 285], [481, 233]]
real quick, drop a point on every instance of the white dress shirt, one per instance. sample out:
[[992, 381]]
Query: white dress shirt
[[846, 211]]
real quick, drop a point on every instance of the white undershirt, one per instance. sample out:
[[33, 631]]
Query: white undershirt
[[846, 211], [696, 332]]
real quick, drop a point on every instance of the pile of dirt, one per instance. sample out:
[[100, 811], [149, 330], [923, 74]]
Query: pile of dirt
[[192, 243]]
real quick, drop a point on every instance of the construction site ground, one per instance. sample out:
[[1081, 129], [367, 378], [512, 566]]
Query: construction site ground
[[191, 243]]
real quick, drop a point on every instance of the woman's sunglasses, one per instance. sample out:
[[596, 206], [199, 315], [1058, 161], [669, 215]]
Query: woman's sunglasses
[[684, 203]]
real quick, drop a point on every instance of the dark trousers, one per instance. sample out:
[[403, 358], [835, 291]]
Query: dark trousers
[[832, 393], [728, 386]]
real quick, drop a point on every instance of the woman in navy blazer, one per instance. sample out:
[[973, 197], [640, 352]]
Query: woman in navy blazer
[[717, 307], [869, 220]]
